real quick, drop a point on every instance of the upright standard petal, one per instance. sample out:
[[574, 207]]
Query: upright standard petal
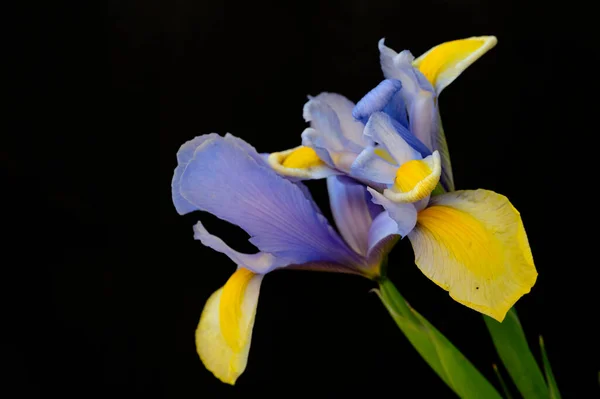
[[231, 181], [421, 102], [225, 329], [445, 62], [473, 244]]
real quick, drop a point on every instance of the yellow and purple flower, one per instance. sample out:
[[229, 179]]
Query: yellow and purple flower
[[471, 243], [228, 178], [388, 175]]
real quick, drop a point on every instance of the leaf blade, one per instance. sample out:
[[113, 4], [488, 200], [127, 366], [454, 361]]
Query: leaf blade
[[441, 355], [512, 348]]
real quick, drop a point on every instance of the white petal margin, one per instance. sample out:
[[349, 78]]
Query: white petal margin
[[423, 188], [224, 348], [275, 161]]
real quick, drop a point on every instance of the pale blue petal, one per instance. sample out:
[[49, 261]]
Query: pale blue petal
[[382, 236], [184, 155], [395, 138], [318, 142], [350, 128], [324, 120], [376, 100], [260, 262], [228, 180], [371, 167], [423, 119], [399, 66], [350, 211], [403, 214]]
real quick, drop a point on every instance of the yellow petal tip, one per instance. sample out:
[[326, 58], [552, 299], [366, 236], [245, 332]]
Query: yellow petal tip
[[224, 332], [445, 62]]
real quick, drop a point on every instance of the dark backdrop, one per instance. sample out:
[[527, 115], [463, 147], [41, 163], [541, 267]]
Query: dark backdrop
[[105, 283]]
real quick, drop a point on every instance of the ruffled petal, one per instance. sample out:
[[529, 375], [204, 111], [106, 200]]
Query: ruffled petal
[[224, 332], [184, 155], [445, 62], [473, 244], [223, 178]]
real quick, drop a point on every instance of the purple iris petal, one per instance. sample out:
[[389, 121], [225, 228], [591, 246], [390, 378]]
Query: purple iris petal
[[228, 178], [351, 212], [396, 108], [381, 126], [403, 215], [411, 139], [350, 128], [376, 99]]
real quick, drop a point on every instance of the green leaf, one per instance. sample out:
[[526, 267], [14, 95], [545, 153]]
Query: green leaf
[[511, 345], [502, 383], [443, 357], [552, 387]]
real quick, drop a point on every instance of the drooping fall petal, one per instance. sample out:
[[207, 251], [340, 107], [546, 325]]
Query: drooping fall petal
[[224, 332], [473, 244]]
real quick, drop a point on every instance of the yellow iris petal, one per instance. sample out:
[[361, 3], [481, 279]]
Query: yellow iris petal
[[443, 63], [473, 244], [415, 179], [302, 162], [225, 329]]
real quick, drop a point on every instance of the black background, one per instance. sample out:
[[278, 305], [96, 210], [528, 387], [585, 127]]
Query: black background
[[104, 282]]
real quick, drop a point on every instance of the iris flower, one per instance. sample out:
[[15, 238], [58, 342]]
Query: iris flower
[[471, 243], [228, 178], [388, 175], [408, 95]]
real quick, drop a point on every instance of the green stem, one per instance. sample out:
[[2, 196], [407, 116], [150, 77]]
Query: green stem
[[443, 357]]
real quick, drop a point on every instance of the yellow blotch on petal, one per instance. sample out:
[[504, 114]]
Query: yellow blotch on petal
[[302, 162], [415, 179], [224, 332], [302, 158], [382, 153], [473, 244], [445, 62]]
